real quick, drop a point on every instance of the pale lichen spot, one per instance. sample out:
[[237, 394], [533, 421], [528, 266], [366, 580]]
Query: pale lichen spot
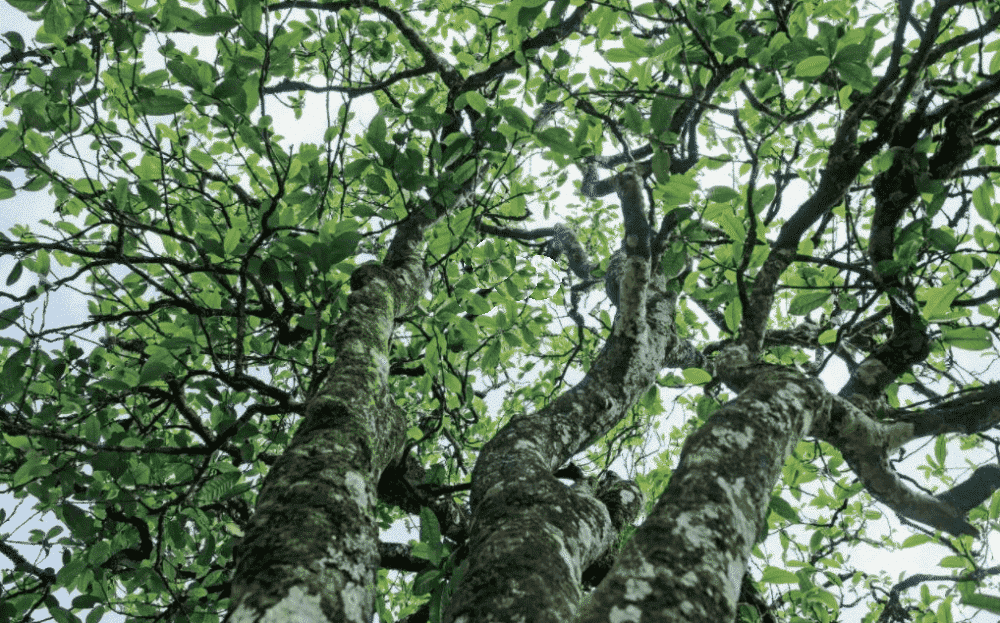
[[297, 605], [628, 614], [731, 489], [636, 589], [381, 362], [354, 597], [525, 445], [691, 579], [627, 496], [696, 533], [869, 372], [731, 437], [643, 569], [736, 571], [356, 485]]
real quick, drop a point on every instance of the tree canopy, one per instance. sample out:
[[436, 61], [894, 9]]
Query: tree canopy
[[630, 310]]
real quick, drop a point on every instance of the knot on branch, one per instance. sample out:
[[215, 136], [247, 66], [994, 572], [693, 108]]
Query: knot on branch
[[977, 489], [366, 273], [628, 184], [624, 500], [897, 186], [613, 278], [956, 147], [563, 240]]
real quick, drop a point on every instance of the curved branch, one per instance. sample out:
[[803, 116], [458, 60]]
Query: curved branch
[[548, 36], [866, 443], [968, 413], [287, 85], [431, 58]]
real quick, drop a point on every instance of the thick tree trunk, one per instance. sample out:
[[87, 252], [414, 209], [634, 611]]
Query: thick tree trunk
[[687, 560], [310, 552]]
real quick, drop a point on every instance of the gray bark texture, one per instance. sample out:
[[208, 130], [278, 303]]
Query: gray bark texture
[[316, 510]]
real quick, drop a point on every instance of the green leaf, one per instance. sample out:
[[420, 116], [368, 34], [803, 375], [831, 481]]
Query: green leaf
[[13, 370], [152, 370], [17, 441], [164, 102], [477, 305], [85, 601], [722, 194], [42, 263], [662, 114], [15, 39], [979, 600], [732, 314], [269, 271], [430, 534], [36, 466], [355, 168], [15, 274], [763, 196], [634, 119], [782, 508], [812, 67], [10, 315], [728, 45], [517, 118], [58, 369], [774, 575], [635, 45], [943, 239], [377, 184], [212, 25], [661, 166], [696, 376], [231, 240], [230, 86], [677, 191], [491, 358], [939, 300], [337, 249], [150, 169], [192, 72], [857, 75], [10, 142], [982, 199], [805, 302], [828, 337], [426, 582], [915, 540], [620, 55], [966, 338], [559, 140], [856, 53], [474, 99], [376, 130], [150, 198], [56, 18], [941, 449], [26, 6]]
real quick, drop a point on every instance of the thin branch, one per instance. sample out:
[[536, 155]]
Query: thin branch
[[286, 85]]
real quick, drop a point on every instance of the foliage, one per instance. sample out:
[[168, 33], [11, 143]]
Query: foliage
[[219, 170]]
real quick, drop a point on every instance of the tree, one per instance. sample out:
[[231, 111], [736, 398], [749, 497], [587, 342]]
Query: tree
[[249, 399]]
